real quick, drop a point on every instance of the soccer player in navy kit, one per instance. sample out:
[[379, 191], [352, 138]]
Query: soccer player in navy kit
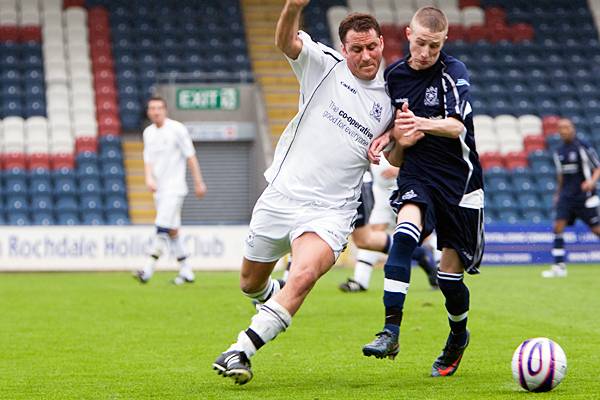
[[440, 185], [578, 170]]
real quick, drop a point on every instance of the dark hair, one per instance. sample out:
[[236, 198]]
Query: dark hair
[[431, 18], [358, 22], [157, 98]]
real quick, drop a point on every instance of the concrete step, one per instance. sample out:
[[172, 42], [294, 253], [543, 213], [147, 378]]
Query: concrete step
[[137, 164], [289, 82], [140, 216], [139, 196], [281, 113]]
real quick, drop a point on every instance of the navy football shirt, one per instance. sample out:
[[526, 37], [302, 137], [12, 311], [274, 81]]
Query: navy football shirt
[[450, 165], [576, 161]]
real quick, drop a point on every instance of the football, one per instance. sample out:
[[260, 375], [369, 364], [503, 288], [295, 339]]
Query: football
[[539, 364]]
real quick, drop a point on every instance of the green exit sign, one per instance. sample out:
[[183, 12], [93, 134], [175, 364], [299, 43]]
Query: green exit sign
[[208, 99]]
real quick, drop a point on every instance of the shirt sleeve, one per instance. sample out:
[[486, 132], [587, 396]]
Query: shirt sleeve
[[593, 156], [314, 61], [456, 84], [184, 142], [557, 163], [146, 152]]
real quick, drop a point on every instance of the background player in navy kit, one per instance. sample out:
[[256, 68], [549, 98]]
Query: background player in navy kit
[[440, 183], [578, 170]]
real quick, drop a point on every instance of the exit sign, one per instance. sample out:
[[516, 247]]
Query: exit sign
[[208, 99]]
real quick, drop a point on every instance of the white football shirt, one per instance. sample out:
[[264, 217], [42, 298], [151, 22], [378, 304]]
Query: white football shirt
[[167, 149], [322, 153]]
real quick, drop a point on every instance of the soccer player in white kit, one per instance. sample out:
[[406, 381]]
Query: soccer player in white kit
[[309, 206], [167, 149]]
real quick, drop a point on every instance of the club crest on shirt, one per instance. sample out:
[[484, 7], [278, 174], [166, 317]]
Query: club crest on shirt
[[409, 195], [431, 96], [572, 156], [376, 112], [250, 239]]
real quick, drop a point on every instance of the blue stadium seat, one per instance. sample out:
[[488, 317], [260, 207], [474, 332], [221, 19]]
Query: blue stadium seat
[[15, 185], [544, 167], [509, 216], [66, 203], [117, 218], [115, 202], [88, 169], [546, 183], [67, 218], [503, 200], [114, 186], [535, 216], [16, 202], [91, 202], [18, 218], [109, 154], [65, 186], [523, 183], [90, 185], [92, 218], [42, 218], [528, 201], [497, 183], [42, 202]]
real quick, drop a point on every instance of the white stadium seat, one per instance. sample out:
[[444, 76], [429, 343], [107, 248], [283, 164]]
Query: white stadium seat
[[447, 4], [510, 146], [424, 3], [483, 122], [454, 16], [29, 17], [385, 16], [530, 125], [8, 16], [506, 121], [404, 15], [473, 16]]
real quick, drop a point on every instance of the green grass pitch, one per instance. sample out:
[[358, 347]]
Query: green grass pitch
[[104, 336]]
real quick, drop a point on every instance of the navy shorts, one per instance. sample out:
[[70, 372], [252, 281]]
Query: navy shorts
[[573, 209], [458, 228], [366, 205]]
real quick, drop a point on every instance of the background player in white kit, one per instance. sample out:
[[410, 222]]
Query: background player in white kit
[[314, 181], [167, 149]]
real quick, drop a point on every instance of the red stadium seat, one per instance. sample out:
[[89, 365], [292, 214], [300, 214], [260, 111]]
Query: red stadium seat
[[491, 160], [468, 3], [38, 161], [475, 33], [498, 33], [522, 32], [533, 143], [456, 32], [63, 160], [86, 143], [391, 31], [98, 12], [73, 3], [106, 104], [9, 33], [14, 160], [550, 125], [30, 34], [515, 159], [495, 15], [109, 123]]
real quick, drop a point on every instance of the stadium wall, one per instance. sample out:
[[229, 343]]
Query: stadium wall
[[114, 248]]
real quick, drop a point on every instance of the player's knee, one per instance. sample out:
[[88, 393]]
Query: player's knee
[[249, 286], [361, 242], [303, 279]]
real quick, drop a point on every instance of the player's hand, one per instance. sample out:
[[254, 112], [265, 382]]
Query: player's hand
[[298, 3], [151, 184], [377, 146], [588, 186], [200, 190], [390, 172], [405, 120]]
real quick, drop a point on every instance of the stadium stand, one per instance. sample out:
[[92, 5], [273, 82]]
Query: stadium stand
[[527, 66], [52, 157]]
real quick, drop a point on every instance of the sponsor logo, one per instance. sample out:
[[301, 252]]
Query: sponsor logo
[[431, 96], [250, 239], [462, 82], [572, 156], [350, 88], [467, 255], [376, 112], [409, 195], [401, 100]]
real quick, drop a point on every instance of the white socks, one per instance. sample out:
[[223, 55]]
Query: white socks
[[273, 286], [271, 319], [365, 259]]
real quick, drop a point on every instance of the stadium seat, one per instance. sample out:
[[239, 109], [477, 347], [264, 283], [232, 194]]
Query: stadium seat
[[42, 218], [92, 218], [67, 218], [117, 218], [19, 218]]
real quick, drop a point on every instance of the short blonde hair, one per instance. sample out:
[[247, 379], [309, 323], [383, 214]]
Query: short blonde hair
[[431, 18]]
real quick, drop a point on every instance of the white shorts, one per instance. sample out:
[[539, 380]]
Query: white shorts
[[168, 210], [278, 220], [382, 212]]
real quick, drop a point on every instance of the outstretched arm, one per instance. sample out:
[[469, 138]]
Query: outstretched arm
[[286, 35]]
